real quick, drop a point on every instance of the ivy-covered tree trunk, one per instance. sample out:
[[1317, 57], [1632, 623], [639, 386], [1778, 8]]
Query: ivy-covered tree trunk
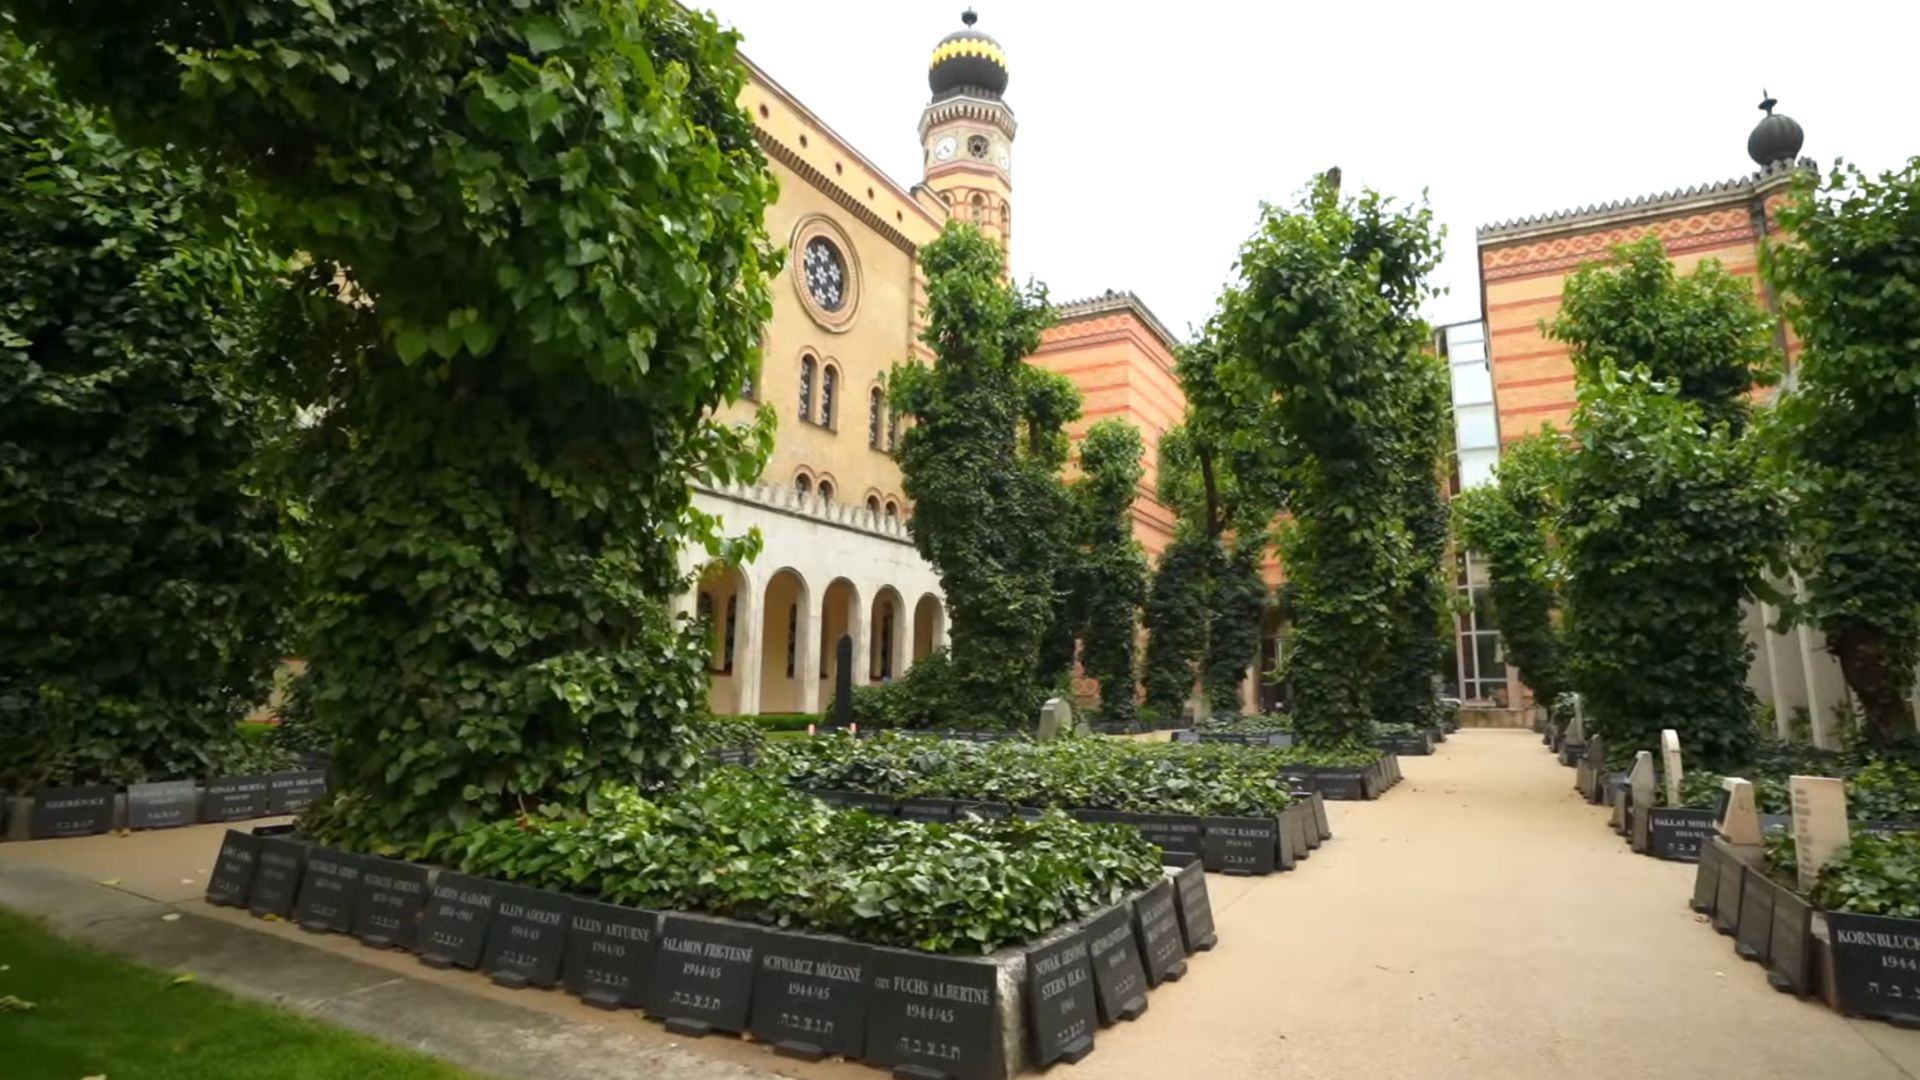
[[1509, 524], [1112, 570], [144, 584], [1404, 693], [1176, 621], [1233, 624], [547, 222]]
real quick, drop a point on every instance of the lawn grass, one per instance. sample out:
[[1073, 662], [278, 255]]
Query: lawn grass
[[95, 1015]]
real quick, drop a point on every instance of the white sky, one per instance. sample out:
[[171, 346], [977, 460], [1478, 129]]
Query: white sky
[[1149, 133]]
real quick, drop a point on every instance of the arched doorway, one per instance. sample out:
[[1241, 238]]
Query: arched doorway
[[724, 603], [840, 613], [887, 655], [785, 655], [929, 626]]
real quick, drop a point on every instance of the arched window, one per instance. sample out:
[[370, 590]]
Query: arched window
[[826, 491], [806, 388], [876, 410], [893, 432], [886, 646], [793, 634], [979, 208], [829, 382], [873, 505], [703, 607], [803, 484], [733, 610], [893, 510]]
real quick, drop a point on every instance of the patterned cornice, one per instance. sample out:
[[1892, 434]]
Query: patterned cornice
[[1627, 209], [965, 107], [1564, 249], [1110, 302], [785, 155]]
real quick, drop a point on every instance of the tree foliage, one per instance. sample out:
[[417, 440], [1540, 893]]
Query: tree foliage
[[1110, 577], [1326, 313], [1849, 432], [1666, 526], [143, 582], [1176, 618], [541, 226], [1511, 524], [981, 463], [1238, 604]]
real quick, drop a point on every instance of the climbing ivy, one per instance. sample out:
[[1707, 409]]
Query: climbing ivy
[[144, 580], [1511, 523], [1176, 619], [1111, 572], [1239, 601], [1849, 432], [541, 225]]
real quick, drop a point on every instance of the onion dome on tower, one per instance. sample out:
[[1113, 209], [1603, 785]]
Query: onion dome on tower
[[967, 62], [1775, 138]]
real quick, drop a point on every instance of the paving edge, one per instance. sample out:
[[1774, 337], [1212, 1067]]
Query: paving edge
[[477, 1033]]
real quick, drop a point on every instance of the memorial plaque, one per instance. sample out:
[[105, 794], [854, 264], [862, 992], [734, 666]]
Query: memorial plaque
[[1100, 817], [1753, 937], [165, 805], [232, 877], [276, 877], [453, 932], [1789, 960], [1320, 817], [986, 811], [1119, 979], [935, 1017], [1031, 813], [1819, 823], [1678, 834], [836, 799], [702, 975], [610, 953], [1296, 832], [878, 805], [330, 893], [810, 995], [1240, 845], [393, 897], [1728, 892], [1706, 881], [293, 792], [1350, 784], [1876, 966], [1178, 833], [1196, 910], [527, 938], [235, 798], [1156, 924], [929, 810], [74, 811], [1060, 1008]]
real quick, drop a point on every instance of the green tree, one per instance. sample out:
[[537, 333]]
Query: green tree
[[1176, 618], [1511, 523], [1111, 571], [143, 584], [1326, 313], [1849, 437], [1239, 602], [981, 463], [542, 223]]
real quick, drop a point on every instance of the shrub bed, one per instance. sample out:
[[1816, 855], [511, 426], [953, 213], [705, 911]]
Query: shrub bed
[[1260, 724]]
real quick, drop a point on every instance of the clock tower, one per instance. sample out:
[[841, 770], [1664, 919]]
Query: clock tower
[[967, 131]]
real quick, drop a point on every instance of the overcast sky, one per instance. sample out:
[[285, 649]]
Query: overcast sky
[[1150, 133]]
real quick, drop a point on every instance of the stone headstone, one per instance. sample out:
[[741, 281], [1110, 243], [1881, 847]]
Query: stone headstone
[[1670, 763], [1061, 1013], [843, 682], [1240, 845], [1739, 822], [1706, 879], [1819, 823], [1876, 966], [1119, 979], [164, 805], [1056, 719], [330, 893], [453, 932], [74, 811], [810, 995], [1729, 889], [935, 1017], [610, 953], [393, 898], [1789, 958], [1680, 834], [1640, 795], [1157, 927], [233, 869], [703, 975], [1172, 832], [1755, 931], [234, 798], [276, 879], [1196, 910], [1577, 727], [527, 938], [293, 792]]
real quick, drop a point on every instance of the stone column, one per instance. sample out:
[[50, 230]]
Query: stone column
[[857, 619], [1816, 708], [902, 638], [1770, 655], [750, 631], [806, 655]]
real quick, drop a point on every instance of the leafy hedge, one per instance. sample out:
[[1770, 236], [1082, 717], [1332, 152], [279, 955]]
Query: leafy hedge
[[1875, 875], [740, 845], [1261, 724], [1092, 774]]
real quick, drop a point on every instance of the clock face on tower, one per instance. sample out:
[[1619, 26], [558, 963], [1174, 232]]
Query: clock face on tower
[[944, 149]]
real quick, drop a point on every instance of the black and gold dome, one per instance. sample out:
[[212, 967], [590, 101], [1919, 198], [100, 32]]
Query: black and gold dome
[[967, 62]]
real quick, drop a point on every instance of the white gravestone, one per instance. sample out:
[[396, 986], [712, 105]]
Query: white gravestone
[[1670, 757], [1577, 727], [1640, 783], [1739, 823], [1819, 822], [1056, 719]]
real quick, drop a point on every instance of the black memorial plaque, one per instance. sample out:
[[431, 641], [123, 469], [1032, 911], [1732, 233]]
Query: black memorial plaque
[[1876, 966], [293, 792], [1788, 957], [879, 805], [1060, 1009], [1706, 881], [1678, 834], [330, 893], [235, 798], [1196, 910], [1119, 980], [610, 952], [1287, 846], [165, 805], [986, 811], [703, 975], [935, 1017], [1240, 845], [1753, 937], [276, 880], [528, 937], [453, 932], [1031, 813], [1173, 833], [810, 995], [233, 869], [1728, 892], [74, 811], [1320, 817], [833, 798], [1348, 784], [393, 897], [1157, 925], [929, 810]]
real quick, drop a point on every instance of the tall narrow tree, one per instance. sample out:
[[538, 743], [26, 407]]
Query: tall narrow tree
[[1110, 573], [1510, 523]]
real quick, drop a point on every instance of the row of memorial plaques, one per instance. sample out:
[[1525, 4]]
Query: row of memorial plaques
[[86, 811], [807, 995]]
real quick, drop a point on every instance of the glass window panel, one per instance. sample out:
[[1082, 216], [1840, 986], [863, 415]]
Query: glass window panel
[[1476, 467], [1472, 384], [1486, 651], [1476, 427]]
